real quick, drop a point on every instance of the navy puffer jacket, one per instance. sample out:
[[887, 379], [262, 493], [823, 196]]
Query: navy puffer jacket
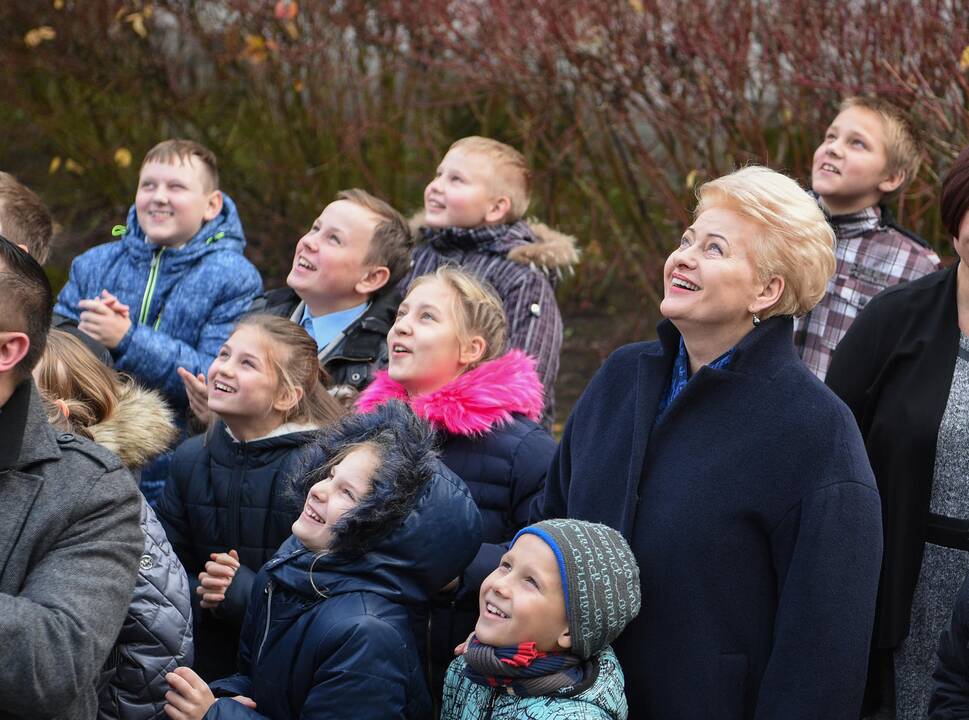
[[329, 636], [226, 495]]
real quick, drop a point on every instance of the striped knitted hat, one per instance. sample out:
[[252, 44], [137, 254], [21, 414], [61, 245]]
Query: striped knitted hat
[[600, 580]]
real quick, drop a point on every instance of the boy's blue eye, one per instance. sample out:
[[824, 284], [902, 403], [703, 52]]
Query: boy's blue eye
[[532, 581]]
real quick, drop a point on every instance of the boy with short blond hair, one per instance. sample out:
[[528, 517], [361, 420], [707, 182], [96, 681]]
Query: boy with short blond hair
[[473, 210], [24, 219], [167, 294], [870, 152], [342, 286], [564, 590]]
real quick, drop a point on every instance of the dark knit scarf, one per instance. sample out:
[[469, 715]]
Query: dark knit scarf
[[484, 238], [522, 670], [853, 224]]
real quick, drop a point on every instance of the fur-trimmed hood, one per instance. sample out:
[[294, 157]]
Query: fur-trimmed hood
[[532, 243], [141, 428], [475, 402], [382, 545]]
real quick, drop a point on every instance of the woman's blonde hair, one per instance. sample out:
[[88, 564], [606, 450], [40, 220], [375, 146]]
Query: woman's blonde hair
[[477, 309], [797, 243], [292, 357]]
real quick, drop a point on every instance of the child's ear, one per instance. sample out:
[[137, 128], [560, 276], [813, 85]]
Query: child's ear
[[473, 350], [375, 279], [497, 210], [891, 183], [214, 206], [565, 640], [287, 399]]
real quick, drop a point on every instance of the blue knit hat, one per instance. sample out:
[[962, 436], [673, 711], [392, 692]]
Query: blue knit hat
[[600, 580]]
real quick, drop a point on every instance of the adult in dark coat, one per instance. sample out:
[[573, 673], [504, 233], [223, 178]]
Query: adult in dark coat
[[901, 369], [739, 480], [69, 533]]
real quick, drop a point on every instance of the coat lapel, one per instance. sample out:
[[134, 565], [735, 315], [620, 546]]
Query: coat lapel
[[19, 491]]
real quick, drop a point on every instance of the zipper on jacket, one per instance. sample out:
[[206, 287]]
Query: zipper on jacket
[[235, 496], [490, 707], [150, 287], [269, 615]]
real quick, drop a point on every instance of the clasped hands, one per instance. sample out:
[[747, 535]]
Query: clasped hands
[[104, 318]]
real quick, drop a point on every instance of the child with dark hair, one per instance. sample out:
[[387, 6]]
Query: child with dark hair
[[328, 630]]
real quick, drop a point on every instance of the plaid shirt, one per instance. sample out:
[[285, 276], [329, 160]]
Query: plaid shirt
[[534, 321], [871, 255]]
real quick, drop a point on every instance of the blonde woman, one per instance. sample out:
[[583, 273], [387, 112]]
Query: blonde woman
[[738, 478]]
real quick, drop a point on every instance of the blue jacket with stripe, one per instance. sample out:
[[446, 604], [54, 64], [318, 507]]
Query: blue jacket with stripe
[[183, 301]]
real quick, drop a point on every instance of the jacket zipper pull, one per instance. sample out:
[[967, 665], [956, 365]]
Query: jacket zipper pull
[[490, 707]]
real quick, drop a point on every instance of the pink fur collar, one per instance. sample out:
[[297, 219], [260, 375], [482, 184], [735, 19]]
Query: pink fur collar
[[473, 403]]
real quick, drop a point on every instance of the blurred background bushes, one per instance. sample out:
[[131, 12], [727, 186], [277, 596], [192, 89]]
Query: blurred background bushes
[[622, 107]]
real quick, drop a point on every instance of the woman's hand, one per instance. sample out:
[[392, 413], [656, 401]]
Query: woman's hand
[[189, 697], [216, 578]]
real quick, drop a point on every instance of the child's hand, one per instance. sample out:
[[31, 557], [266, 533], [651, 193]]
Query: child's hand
[[463, 647], [114, 304], [198, 395], [189, 697], [216, 578], [102, 323]]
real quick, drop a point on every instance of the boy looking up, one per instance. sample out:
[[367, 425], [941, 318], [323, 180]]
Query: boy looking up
[[24, 219], [343, 286], [564, 590], [473, 210], [167, 294], [869, 153]]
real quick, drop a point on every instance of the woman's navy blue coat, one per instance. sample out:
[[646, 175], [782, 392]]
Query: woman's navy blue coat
[[351, 654], [753, 513]]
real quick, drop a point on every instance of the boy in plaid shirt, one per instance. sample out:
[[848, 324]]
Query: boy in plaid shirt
[[868, 154]]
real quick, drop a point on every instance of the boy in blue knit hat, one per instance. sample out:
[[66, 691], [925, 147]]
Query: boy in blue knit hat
[[167, 293], [540, 650]]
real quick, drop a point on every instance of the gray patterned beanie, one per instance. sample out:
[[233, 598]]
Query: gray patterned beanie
[[600, 580]]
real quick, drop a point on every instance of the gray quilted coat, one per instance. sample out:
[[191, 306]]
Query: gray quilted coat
[[156, 636]]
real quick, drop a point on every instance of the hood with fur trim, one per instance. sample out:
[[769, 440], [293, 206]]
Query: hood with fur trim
[[545, 249], [475, 402], [383, 545], [141, 428]]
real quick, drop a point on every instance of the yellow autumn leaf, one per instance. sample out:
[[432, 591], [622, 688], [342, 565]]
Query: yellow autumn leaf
[[35, 37], [691, 179], [964, 60], [58, 4], [122, 157], [55, 164], [290, 27], [137, 21], [74, 167], [255, 50], [298, 86], [637, 6]]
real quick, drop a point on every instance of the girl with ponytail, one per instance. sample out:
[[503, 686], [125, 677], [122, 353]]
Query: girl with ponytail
[[229, 503]]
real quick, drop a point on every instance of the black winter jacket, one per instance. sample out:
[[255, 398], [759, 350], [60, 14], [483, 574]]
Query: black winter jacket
[[330, 635], [950, 695], [226, 495]]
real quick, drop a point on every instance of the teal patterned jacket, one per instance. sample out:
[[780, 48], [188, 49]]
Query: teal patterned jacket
[[602, 699]]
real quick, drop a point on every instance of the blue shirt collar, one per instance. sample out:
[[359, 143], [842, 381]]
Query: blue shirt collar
[[325, 328], [681, 374]]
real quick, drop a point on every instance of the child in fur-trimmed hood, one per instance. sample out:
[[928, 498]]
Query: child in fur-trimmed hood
[[328, 631]]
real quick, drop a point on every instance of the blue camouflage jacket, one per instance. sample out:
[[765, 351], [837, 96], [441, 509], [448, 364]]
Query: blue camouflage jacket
[[183, 301]]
